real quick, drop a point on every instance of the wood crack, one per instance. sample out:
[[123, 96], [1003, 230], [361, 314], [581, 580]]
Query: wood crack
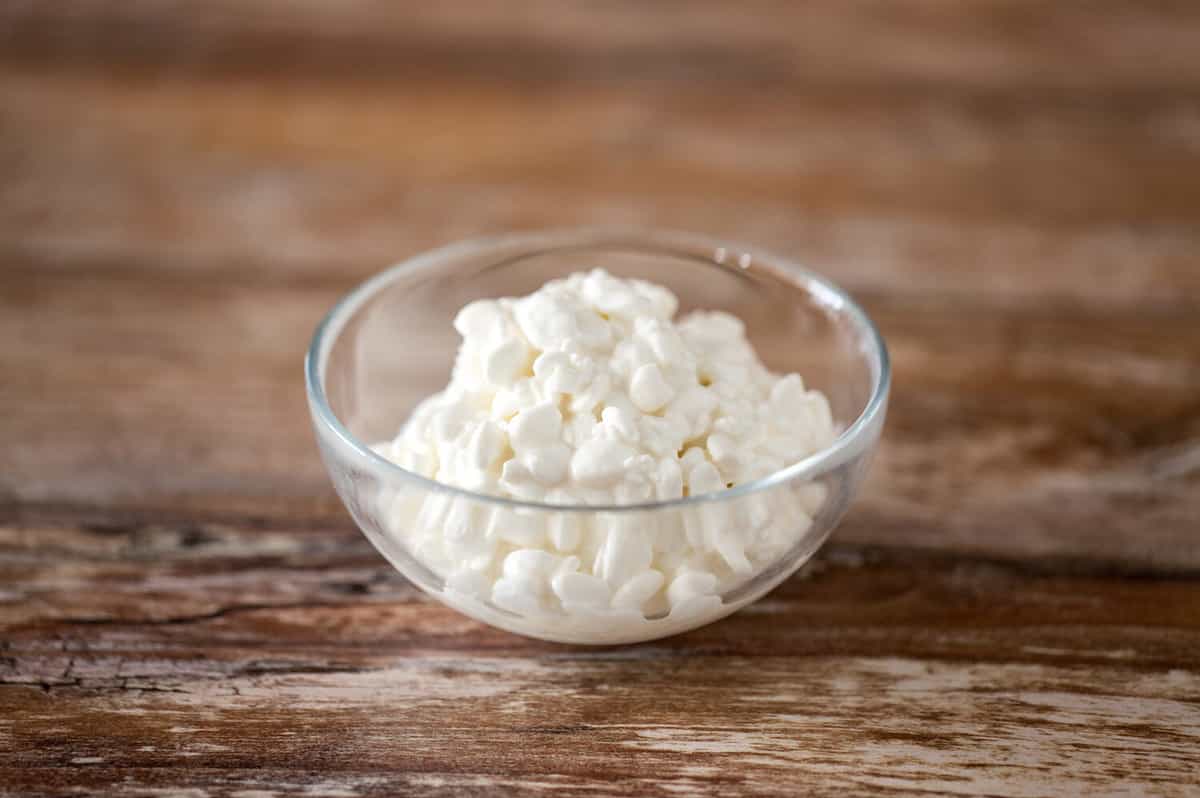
[[223, 612]]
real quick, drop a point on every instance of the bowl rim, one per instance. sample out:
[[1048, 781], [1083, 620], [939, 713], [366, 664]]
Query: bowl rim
[[851, 442]]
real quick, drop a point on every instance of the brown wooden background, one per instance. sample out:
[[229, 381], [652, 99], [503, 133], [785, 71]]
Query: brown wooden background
[[1011, 188]]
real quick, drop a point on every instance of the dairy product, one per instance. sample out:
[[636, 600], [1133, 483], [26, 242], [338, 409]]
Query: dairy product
[[586, 392]]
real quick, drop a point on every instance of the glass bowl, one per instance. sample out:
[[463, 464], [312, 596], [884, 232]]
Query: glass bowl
[[390, 343]]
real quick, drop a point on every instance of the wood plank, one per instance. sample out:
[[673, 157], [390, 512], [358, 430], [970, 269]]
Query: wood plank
[[578, 726], [876, 670], [1026, 435], [211, 595], [1093, 45], [913, 198]]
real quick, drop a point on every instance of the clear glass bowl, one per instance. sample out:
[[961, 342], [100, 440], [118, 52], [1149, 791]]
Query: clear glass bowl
[[390, 343]]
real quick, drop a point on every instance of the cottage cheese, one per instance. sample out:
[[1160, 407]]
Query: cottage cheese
[[586, 392]]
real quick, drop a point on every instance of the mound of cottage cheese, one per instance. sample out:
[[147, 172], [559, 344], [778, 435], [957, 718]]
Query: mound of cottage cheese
[[586, 392]]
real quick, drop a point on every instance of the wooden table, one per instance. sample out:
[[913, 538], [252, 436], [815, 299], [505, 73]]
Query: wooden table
[[1012, 189]]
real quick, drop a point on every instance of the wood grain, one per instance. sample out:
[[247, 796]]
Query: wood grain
[[1011, 608], [294, 660]]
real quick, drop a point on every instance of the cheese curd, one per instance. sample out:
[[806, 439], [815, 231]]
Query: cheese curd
[[587, 392]]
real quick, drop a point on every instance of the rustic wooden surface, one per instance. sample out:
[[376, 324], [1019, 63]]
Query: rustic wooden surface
[[1011, 188]]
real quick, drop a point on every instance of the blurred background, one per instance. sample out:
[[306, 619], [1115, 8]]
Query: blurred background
[[1012, 189]]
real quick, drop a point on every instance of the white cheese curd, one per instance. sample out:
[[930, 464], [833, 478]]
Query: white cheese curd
[[586, 392]]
